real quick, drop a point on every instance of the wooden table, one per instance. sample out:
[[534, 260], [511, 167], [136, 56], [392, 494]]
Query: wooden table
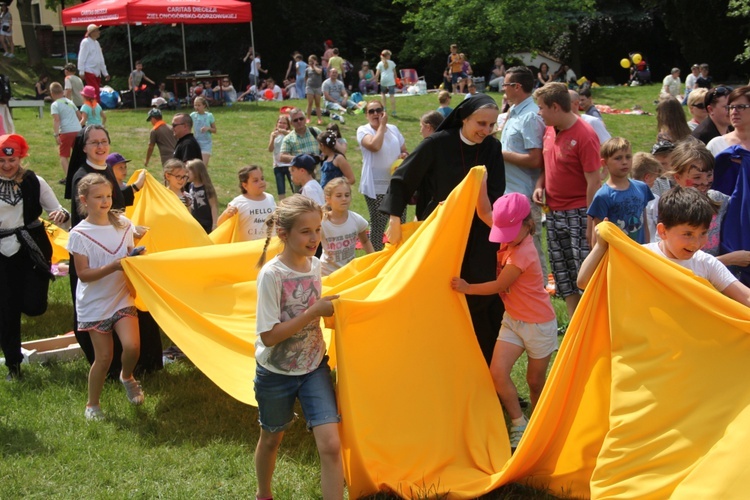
[[188, 77]]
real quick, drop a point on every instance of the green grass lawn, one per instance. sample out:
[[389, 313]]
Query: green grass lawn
[[189, 439]]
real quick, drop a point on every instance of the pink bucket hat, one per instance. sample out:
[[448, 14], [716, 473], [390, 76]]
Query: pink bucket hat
[[508, 213], [89, 91]]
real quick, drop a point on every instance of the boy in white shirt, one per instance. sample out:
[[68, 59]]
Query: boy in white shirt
[[302, 171], [684, 217]]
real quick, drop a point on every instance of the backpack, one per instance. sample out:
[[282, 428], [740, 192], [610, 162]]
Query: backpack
[[5, 90]]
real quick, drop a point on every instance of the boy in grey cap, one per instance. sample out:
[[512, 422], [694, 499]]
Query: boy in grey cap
[[161, 135]]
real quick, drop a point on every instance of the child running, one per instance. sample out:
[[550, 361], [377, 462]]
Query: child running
[[386, 74], [291, 362], [205, 206], [280, 170], [254, 205], [175, 177], [685, 215], [341, 227], [529, 323], [622, 200], [335, 163], [204, 126], [103, 302], [91, 111]]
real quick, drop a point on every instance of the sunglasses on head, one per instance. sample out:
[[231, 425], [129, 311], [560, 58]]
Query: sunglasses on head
[[374, 111], [717, 92], [699, 105]]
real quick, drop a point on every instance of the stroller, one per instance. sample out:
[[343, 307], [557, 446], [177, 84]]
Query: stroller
[[640, 74]]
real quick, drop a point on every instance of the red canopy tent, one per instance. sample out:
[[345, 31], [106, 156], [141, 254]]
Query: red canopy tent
[[138, 12]]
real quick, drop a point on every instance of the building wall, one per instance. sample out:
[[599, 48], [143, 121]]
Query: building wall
[[46, 17]]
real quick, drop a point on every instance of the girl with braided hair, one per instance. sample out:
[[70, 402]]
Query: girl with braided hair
[[290, 353]]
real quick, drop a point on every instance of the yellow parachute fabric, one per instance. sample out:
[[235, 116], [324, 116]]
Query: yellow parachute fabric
[[647, 396], [59, 239]]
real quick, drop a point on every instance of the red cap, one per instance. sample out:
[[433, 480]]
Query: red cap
[[13, 145]]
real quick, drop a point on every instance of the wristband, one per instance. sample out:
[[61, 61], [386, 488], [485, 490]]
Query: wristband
[[135, 188]]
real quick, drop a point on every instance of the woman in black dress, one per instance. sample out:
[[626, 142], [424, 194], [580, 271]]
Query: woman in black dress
[[25, 250], [464, 140], [89, 155]]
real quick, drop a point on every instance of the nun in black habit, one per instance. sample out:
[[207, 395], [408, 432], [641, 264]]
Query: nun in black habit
[[440, 162]]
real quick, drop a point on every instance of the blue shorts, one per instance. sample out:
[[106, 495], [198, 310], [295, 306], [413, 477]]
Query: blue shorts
[[455, 77], [276, 393], [390, 90]]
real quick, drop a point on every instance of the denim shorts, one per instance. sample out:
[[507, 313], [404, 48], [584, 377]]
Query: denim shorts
[[276, 393]]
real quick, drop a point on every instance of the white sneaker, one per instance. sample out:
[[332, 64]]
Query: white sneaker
[[94, 413], [516, 432], [11, 56], [133, 391]]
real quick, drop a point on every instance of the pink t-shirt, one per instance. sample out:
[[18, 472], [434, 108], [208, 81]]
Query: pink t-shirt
[[567, 155], [526, 299]]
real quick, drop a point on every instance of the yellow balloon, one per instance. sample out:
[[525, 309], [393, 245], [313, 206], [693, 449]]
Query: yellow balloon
[[637, 58], [625, 63]]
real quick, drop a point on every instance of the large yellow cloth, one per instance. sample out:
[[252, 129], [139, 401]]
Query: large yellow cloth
[[645, 399]]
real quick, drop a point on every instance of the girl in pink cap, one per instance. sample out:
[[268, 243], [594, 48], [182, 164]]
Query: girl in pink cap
[[529, 323], [91, 111]]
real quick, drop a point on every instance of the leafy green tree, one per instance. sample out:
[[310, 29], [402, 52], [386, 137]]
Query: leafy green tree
[[741, 9], [486, 28]]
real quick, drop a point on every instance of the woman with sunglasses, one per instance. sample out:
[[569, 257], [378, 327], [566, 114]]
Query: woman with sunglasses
[[382, 144], [697, 107], [89, 155], [440, 162]]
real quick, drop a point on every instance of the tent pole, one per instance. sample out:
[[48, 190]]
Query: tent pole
[[130, 49], [65, 32], [184, 62]]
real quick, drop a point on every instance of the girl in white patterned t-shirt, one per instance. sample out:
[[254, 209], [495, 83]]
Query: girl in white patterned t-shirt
[[103, 303], [290, 357], [341, 227]]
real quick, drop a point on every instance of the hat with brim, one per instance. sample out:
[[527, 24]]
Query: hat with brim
[[91, 28], [115, 158], [508, 214], [304, 161], [154, 113], [89, 92]]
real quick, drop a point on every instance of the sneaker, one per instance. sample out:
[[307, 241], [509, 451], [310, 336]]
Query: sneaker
[[515, 435], [14, 373], [93, 413], [337, 117], [133, 390]]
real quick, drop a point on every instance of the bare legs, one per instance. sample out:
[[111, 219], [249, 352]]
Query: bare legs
[[503, 359], [329, 448], [127, 330]]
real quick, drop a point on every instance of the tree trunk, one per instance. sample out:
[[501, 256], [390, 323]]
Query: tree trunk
[[29, 34]]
